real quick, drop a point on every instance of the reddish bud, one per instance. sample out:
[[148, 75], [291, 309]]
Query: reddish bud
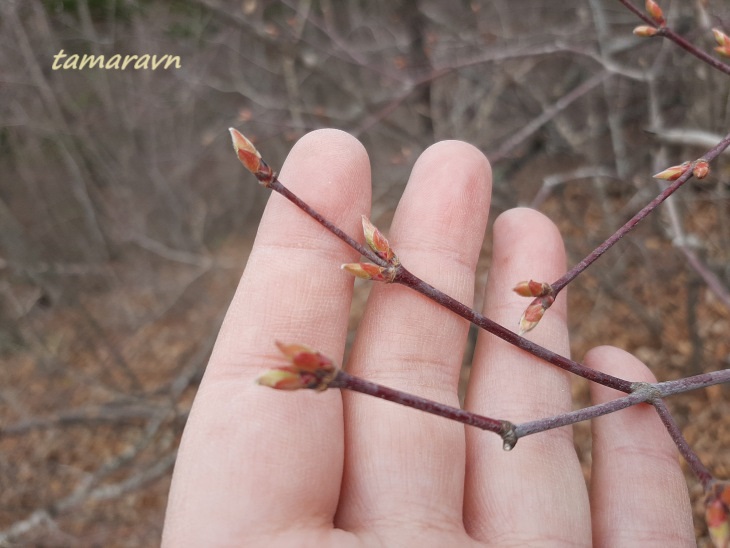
[[376, 241], [645, 31], [673, 173], [250, 157], [655, 11], [721, 38], [308, 369], [533, 289], [304, 357], [717, 514], [370, 271], [534, 313], [723, 41], [701, 168], [286, 378], [723, 50]]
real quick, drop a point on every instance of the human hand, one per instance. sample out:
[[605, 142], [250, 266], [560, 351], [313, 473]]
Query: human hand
[[263, 467]]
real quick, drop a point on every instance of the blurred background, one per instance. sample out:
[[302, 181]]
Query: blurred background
[[126, 220]]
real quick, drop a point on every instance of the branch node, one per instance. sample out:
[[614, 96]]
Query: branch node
[[647, 390], [509, 436]]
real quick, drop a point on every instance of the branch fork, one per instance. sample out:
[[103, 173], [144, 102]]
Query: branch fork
[[309, 369]]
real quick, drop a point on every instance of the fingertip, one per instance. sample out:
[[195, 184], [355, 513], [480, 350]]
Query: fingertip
[[458, 172], [326, 144], [458, 155], [330, 170], [445, 204], [527, 223], [292, 290], [542, 255]]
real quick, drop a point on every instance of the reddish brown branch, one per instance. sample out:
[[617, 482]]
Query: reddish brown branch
[[277, 186], [350, 382], [408, 279], [677, 39], [700, 470], [325, 376], [569, 276]]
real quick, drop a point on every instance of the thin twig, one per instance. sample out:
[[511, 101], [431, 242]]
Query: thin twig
[[85, 488], [277, 186], [704, 476], [569, 276], [406, 278], [579, 415], [111, 413], [677, 39], [101, 493], [649, 391], [357, 384], [547, 115], [510, 433]]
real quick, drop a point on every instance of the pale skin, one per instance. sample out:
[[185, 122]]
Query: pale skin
[[259, 467]]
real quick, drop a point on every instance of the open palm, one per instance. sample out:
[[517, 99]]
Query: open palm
[[259, 467]]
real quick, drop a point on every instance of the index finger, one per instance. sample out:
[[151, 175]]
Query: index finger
[[253, 459]]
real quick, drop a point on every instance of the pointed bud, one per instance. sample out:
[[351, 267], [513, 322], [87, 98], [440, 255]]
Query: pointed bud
[[645, 31], [304, 357], [721, 38], [369, 271], [286, 378], [533, 289], [723, 41], [673, 173], [250, 157], [655, 11], [701, 168], [376, 241], [723, 50], [534, 313], [717, 513], [247, 153], [308, 369]]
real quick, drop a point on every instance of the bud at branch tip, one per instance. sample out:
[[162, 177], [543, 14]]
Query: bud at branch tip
[[721, 38], [723, 41], [283, 378], [533, 289], [308, 369], [534, 313], [645, 31], [250, 157], [717, 513], [701, 168], [376, 241], [673, 173], [723, 50], [370, 271], [655, 11]]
